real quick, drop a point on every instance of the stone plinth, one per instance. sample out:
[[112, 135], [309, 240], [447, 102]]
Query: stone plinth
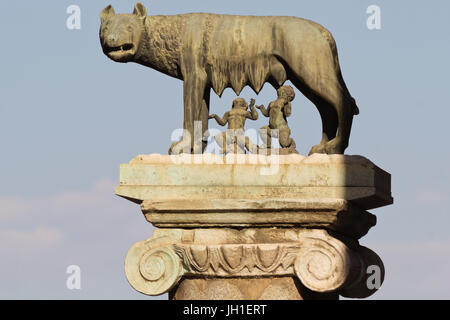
[[289, 225]]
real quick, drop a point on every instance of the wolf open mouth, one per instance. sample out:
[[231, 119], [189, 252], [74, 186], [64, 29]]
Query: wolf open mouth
[[122, 48]]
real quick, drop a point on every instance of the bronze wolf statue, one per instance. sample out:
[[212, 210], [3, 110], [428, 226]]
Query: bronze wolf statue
[[219, 51]]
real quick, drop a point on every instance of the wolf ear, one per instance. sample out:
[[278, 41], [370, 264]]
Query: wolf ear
[[140, 10], [106, 13]]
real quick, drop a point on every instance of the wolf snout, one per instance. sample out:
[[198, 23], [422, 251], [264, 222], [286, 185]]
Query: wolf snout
[[112, 38]]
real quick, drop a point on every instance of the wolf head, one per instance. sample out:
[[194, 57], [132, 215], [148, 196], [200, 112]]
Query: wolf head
[[120, 34]]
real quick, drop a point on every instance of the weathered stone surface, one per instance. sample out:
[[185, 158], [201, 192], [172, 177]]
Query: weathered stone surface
[[319, 261], [322, 191], [212, 177], [223, 226], [277, 288], [333, 214], [152, 266]]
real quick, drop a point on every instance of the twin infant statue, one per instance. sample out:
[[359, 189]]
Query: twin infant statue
[[234, 140]]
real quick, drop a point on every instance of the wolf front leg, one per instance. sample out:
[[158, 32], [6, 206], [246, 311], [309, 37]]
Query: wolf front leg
[[196, 112]]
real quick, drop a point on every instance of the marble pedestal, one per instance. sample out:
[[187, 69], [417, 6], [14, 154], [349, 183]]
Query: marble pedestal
[[255, 227]]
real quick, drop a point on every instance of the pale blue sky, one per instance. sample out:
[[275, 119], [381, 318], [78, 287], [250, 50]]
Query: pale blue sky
[[69, 116]]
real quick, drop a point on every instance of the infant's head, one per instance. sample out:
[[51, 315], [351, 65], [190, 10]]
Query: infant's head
[[240, 103], [286, 92]]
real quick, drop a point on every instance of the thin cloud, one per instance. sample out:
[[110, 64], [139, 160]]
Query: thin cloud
[[93, 229], [19, 240]]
